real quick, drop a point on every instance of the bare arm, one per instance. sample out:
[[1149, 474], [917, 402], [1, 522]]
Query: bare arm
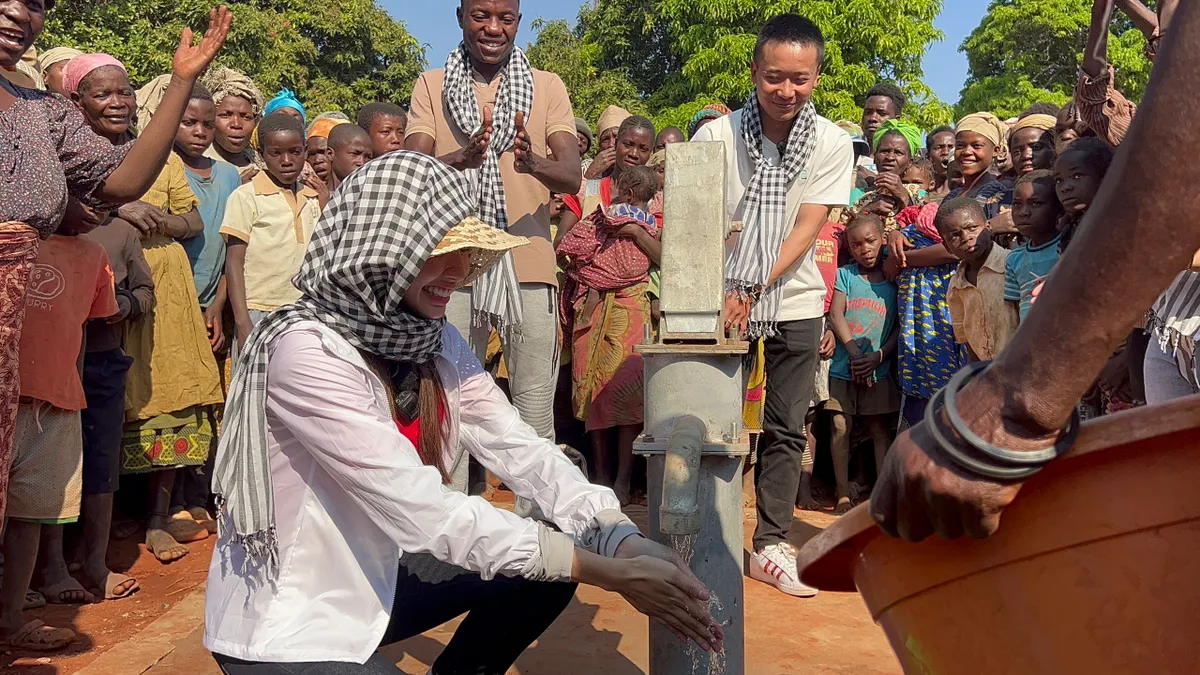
[[799, 242], [1095, 55], [187, 226], [568, 220], [930, 256], [650, 246], [1141, 16], [235, 284], [841, 328], [148, 154], [1099, 288]]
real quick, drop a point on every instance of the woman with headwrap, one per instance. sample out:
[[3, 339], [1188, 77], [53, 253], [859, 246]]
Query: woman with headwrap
[[286, 102], [173, 384], [239, 107], [50, 153], [317, 142], [348, 413], [896, 143], [1031, 144], [705, 115], [606, 140], [50, 66], [929, 354]]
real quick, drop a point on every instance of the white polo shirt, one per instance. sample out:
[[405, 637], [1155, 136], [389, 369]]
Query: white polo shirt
[[826, 182]]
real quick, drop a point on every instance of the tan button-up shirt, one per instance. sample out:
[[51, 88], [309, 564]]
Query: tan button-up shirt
[[982, 319]]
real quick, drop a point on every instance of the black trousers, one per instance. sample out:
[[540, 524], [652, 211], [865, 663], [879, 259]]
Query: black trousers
[[792, 358], [504, 616]]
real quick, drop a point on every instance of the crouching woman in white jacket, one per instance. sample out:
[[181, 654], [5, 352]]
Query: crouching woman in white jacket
[[345, 419]]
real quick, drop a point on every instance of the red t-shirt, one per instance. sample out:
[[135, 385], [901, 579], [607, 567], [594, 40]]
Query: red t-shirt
[[71, 283], [827, 247]]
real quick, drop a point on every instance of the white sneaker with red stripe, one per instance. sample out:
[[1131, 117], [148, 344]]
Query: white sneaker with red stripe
[[776, 565]]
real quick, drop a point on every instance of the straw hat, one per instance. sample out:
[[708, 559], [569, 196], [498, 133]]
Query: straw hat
[[486, 244]]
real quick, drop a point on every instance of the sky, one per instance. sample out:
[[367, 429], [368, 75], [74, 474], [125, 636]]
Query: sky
[[432, 22]]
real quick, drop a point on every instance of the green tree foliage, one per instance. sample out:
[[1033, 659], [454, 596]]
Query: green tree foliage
[[560, 49], [1027, 51], [681, 55], [338, 55]]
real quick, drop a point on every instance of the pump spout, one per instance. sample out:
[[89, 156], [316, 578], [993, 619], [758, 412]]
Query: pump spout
[[680, 510]]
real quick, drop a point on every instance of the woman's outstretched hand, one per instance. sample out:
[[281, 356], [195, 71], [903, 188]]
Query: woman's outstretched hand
[[658, 584], [191, 60]]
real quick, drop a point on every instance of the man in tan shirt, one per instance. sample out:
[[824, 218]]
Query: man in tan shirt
[[528, 175]]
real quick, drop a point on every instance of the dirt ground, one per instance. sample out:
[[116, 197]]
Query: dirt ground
[[101, 626], [599, 633]]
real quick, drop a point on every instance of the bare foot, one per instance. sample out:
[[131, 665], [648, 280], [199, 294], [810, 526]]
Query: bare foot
[[204, 518], [164, 547], [806, 502], [184, 529], [623, 493], [66, 591], [843, 506], [110, 585]]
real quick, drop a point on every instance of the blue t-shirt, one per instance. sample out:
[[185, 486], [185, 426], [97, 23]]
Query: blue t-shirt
[[206, 251], [871, 313], [1027, 266]]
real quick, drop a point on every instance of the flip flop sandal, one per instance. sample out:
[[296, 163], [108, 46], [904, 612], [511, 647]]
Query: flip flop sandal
[[36, 636], [54, 594], [112, 582], [34, 600]]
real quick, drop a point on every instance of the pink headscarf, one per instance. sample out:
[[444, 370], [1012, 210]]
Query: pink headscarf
[[82, 66]]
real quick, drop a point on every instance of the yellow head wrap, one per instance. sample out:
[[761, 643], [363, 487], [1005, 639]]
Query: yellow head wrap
[[990, 127], [1043, 122]]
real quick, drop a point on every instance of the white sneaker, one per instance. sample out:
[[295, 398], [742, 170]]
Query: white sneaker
[[776, 565]]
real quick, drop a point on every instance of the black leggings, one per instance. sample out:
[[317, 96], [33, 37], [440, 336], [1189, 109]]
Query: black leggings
[[504, 616]]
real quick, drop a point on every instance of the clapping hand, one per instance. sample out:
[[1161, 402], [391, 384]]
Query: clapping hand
[[526, 160], [476, 148], [191, 60]]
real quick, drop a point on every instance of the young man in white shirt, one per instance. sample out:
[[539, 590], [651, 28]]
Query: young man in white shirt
[[777, 290]]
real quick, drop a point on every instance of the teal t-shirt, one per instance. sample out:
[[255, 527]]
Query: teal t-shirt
[[871, 313], [1027, 266]]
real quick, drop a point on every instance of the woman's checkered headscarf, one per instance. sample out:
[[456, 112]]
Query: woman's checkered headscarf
[[376, 234]]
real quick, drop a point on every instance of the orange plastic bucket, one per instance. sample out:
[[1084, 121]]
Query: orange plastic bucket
[[1095, 568]]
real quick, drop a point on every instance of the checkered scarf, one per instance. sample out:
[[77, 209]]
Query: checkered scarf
[[495, 298], [765, 219], [373, 238]]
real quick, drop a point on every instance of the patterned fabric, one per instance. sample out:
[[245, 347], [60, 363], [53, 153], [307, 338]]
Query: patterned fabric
[[708, 112], [606, 373], [600, 260], [994, 195], [929, 355], [187, 440], [18, 251], [496, 299], [1175, 316], [372, 241], [753, 257], [224, 82], [47, 150]]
